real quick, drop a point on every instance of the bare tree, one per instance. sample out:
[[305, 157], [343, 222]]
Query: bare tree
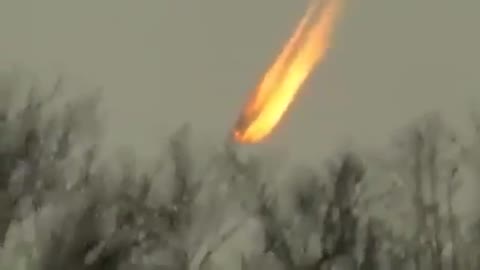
[[337, 225], [34, 145], [431, 168]]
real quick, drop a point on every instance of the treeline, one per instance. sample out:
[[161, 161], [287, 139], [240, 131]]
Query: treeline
[[63, 205]]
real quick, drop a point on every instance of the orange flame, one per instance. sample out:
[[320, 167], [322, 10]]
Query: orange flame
[[283, 80]]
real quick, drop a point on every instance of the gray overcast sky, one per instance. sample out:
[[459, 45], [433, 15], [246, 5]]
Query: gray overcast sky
[[163, 62]]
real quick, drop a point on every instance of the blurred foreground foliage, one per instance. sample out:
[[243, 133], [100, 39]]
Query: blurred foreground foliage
[[64, 206]]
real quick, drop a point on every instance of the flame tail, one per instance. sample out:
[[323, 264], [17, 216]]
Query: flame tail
[[282, 82]]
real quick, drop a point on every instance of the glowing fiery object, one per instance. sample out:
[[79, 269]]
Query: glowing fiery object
[[282, 82]]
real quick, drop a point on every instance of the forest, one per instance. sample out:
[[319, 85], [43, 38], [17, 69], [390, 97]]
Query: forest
[[64, 205]]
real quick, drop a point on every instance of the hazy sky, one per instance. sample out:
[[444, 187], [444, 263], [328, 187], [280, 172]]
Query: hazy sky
[[164, 62]]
